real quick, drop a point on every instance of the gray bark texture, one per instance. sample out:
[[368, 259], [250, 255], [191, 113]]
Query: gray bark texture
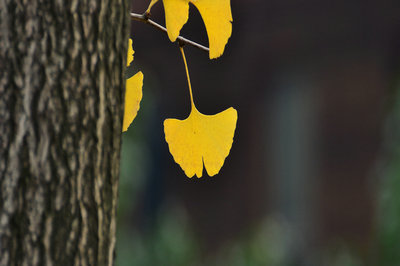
[[62, 67]]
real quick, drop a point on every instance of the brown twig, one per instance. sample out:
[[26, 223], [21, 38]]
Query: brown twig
[[181, 40]]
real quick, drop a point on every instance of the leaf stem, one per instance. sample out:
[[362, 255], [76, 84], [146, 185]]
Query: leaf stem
[[145, 19], [187, 75]]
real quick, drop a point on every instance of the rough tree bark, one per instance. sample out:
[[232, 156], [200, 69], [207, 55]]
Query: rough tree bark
[[61, 105]]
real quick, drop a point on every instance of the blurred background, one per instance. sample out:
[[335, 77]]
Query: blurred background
[[313, 176]]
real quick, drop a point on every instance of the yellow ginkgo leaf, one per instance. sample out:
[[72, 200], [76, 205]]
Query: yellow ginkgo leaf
[[217, 17], [201, 139], [133, 96], [130, 53], [133, 92], [176, 15], [216, 14]]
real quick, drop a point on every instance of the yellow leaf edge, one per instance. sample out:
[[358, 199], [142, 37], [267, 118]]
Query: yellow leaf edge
[[131, 108]]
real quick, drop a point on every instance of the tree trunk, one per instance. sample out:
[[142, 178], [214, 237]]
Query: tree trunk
[[62, 84]]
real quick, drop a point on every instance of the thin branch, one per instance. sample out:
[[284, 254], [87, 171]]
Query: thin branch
[[181, 40]]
